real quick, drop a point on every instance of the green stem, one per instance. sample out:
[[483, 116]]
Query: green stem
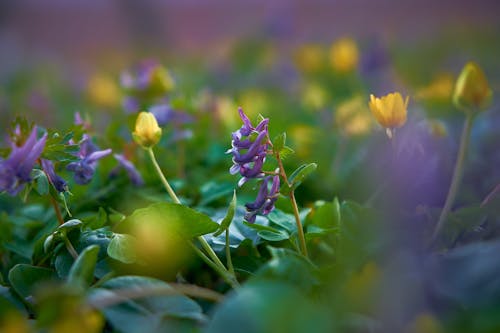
[[300, 230], [162, 177], [222, 271], [228, 254], [457, 175], [70, 247], [57, 210], [216, 261]]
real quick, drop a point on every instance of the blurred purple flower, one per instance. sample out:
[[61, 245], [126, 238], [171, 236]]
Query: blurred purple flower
[[84, 169], [59, 184], [264, 203], [249, 149], [131, 105], [16, 169], [133, 174], [165, 114]]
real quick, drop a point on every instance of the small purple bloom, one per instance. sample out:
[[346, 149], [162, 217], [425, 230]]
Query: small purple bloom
[[59, 184], [16, 169], [249, 149], [84, 169], [133, 174], [264, 203]]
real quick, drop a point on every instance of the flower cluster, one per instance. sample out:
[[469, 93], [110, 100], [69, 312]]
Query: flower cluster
[[88, 155], [264, 203], [249, 149], [16, 169]]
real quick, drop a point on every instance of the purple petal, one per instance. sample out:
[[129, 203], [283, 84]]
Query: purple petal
[[97, 155]]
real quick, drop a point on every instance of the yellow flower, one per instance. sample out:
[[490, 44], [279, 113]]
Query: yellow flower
[[147, 132], [389, 110], [439, 89], [304, 137], [352, 116], [314, 96], [103, 91], [472, 91], [309, 58], [344, 55]]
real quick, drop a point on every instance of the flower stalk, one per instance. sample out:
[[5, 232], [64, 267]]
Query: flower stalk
[[300, 230], [457, 174], [212, 260]]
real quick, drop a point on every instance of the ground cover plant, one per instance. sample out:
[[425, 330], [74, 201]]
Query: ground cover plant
[[244, 199]]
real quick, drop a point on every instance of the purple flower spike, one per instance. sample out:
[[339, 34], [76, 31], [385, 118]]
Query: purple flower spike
[[133, 174], [249, 149], [15, 170], [56, 181], [84, 169], [264, 203]]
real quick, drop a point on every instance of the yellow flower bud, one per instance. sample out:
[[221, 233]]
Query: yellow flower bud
[[472, 91], [389, 110], [147, 132], [344, 55]]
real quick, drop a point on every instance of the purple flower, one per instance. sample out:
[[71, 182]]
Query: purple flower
[[165, 114], [249, 149], [264, 203], [133, 174], [59, 184], [84, 169], [16, 169]]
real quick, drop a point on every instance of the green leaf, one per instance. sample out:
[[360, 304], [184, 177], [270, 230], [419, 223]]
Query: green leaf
[[81, 273], [122, 247], [301, 173], [42, 183], [226, 221], [160, 313], [279, 142], [326, 215], [268, 233], [269, 306], [286, 152], [70, 225], [284, 220], [26, 278], [214, 190], [184, 221]]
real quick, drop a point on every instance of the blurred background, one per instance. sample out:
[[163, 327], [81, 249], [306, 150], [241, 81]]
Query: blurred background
[[83, 32]]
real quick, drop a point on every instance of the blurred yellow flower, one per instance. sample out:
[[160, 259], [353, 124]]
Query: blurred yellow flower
[[147, 132], [424, 323], [309, 58], [389, 110], [161, 81], [472, 91], [362, 286], [12, 321], [437, 128], [254, 102], [352, 117], [439, 89], [103, 91], [303, 137], [314, 96], [344, 55], [226, 111]]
